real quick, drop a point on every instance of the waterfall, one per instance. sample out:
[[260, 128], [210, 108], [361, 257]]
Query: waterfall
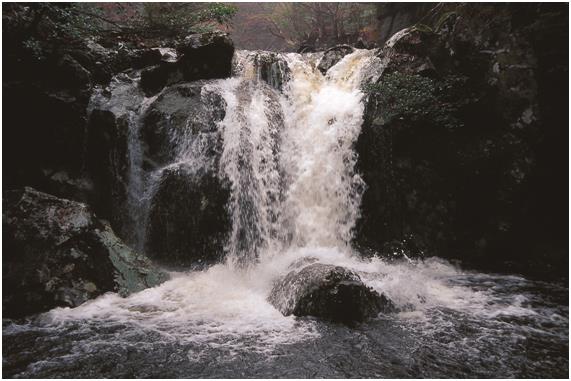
[[285, 146], [251, 132], [288, 140], [287, 134]]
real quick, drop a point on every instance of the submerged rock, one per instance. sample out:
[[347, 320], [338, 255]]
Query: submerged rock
[[57, 253], [327, 291], [332, 56]]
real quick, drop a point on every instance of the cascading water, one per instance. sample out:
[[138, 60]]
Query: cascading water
[[288, 135], [251, 132], [289, 154], [127, 101], [326, 114]]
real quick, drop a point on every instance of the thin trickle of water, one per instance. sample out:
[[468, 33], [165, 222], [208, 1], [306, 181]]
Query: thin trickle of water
[[124, 98], [138, 189]]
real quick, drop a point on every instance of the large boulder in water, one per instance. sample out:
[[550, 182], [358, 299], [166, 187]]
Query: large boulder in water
[[188, 220], [57, 253], [327, 291], [206, 56]]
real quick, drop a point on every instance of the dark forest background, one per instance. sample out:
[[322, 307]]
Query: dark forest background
[[267, 26]]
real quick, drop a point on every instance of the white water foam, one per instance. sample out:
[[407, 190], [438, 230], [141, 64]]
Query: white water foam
[[218, 306]]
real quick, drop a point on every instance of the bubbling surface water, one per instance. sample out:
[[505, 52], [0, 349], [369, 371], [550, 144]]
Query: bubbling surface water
[[217, 323]]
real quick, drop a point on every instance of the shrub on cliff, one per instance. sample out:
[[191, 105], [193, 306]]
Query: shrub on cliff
[[185, 18]]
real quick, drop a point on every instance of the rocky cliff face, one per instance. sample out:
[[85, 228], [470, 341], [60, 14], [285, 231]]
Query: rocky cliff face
[[188, 219], [49, 143], [57, 253], [153, 148], [454, 148], [87, 101]]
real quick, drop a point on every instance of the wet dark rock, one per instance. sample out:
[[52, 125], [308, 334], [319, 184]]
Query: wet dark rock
[[199, 56], [180, 112], [411, 51], [206, 56], [49, 138], [306, 48], [360, 44], [273, 69], [62, 184], [472, 90], [146, 57], [72, 73], [155, 78], [58, 83], [57, 253], [104, 63], [115, 110], [166, 71], [332, 56], [329, 292], [188, 219], [108, 163], [181, 120]]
